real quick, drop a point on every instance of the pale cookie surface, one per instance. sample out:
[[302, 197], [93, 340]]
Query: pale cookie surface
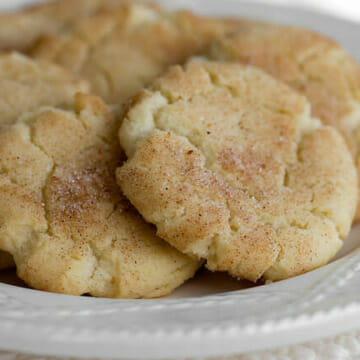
[[312, 64], [25, 85], [19, 30], [6, 260], [61, 213], [63, 217], [121, 51], [230, 166]]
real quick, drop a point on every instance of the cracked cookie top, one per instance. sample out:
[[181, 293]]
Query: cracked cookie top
[[121, 51], [312, 64], [62, 215], [19, 30], [230, 166], [25, 85]]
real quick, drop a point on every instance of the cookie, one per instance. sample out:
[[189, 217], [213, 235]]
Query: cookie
[[6, 260], [19, 30], [314, 65], [26, 85], [230, 166], [121, 51], [63, 217]]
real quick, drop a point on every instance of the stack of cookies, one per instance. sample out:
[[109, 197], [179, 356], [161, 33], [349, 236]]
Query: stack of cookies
[[138, 144]]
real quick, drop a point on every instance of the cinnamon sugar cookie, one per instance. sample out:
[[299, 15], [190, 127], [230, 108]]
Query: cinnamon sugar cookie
[[19, 30], [62, 216], [24, 86], [230, 166], [312, 64], [121, 51]]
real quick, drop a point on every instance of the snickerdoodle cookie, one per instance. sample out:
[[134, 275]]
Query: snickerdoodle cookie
[[6, 260], [19, 30], [26, 85], [314, 65], [230, 166], [121, 51], [62, 215]]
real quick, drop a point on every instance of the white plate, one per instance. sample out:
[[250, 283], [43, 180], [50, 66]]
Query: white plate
[[208, 316]]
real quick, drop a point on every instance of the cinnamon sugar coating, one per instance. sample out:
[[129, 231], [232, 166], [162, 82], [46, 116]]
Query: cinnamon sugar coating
[[6, 260], [62, 216], [312, 64], [121, 51], [231, 167]]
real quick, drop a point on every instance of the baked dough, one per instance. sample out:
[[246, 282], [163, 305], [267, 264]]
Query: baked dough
[[19, 30], [230, 166], [314, 65], [63, 217], [26, 85], [6, 260], [121, 51]]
